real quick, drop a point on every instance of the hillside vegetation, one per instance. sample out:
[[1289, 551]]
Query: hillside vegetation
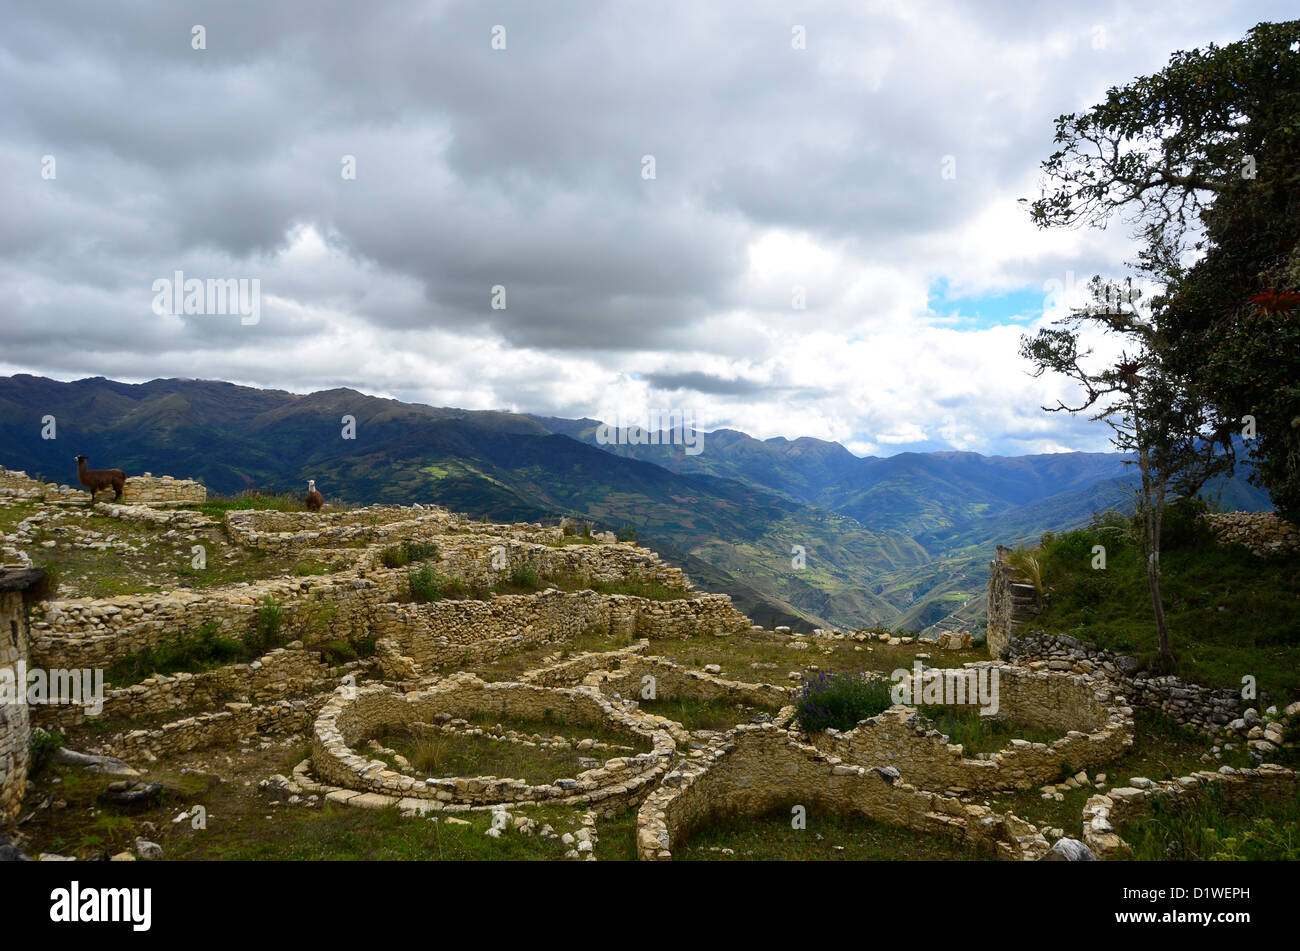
[[1231, 613], [902, 542]]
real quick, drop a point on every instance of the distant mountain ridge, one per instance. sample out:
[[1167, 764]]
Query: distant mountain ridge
[[899, 541]]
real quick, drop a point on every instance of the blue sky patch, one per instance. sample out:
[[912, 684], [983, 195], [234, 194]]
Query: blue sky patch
[[981, 311]]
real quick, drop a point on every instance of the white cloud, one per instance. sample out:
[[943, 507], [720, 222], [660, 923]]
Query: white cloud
[[817, 168]]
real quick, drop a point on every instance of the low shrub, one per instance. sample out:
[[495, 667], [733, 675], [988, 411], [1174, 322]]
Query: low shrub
[[1185, 525], [43, 745], [425, 584], [428, 754], [187, 652], [525, 576], [839, 701], [408, 552], [266, 626]]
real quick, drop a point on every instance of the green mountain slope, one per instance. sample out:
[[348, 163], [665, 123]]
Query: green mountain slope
[[902, 541]]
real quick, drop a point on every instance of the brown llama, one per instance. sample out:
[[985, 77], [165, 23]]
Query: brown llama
[[98, 479], [314, 499]]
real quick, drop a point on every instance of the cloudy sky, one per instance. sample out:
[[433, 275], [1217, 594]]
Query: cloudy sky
[[653, 186]]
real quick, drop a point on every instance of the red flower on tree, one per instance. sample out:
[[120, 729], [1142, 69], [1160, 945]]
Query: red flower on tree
[[1275, 302]]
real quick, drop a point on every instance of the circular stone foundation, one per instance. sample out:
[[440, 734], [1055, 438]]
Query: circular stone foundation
[[1095, 723], [353, 716], [756, 768]]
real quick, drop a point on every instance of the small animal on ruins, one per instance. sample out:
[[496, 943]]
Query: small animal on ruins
[[97, 479], [314, 499]]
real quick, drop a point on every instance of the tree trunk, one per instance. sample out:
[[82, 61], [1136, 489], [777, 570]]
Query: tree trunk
[[1153, 575], [1153, 582], [1152, 510]]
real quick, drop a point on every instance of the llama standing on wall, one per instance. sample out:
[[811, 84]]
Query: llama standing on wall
[[97, 479], [314, 499]]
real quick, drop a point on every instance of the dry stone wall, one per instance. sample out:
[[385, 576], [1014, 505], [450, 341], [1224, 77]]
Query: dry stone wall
[[15, 727], [237, 723], [673, 682], [1096, 726], [1263, 533], [19, 485], [1234, 788], [354, 716], [279, 674], [86, 632], [757, 768], [429, 635], [574, 670], [1013, 604], [149, 489], [146, 489], [1213, 712], [293, 532]]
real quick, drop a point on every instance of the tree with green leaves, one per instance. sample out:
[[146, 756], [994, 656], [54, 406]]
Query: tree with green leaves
[[1203, 158], [1152, 413]]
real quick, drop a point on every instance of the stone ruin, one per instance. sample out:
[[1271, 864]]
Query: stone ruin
[[894, 768]]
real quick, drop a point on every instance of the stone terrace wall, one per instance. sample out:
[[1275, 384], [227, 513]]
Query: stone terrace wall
[[293, 532], [1237, 789], [18, 484], [1263, 533], [145, 489], [1012, 604], [238, 723], [760, 767], [85, 632], [475, 558], [149, 489], [15, 728], [1096, 727], [445, 631], [279, 674], [1207, 710]]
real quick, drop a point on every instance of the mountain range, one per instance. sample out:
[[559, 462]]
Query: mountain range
[[799, 532]]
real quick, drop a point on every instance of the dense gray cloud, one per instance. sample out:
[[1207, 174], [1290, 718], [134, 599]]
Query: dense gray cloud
[[776, 169]]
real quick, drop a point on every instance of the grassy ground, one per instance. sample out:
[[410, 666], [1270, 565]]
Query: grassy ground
[[703, 715], [444, 757], [826, 837], [246, 823], [1229, 612], [979, 734], [455, 589], [558, 725], [142, 557], [218, 505], [1211, 831], [1161, 750]]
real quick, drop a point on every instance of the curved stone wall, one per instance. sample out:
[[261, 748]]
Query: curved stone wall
[[1096, 725], [760, 767], [672, 682], [350, 718]]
